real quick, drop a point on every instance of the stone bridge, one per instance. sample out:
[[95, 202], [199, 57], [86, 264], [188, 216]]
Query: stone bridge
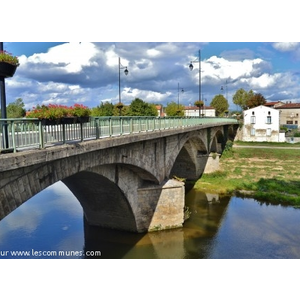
[[124, 182]]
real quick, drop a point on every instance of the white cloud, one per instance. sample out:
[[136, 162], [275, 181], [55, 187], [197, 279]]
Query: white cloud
[[218, 67], [263, 81], [87, 72], [68, 57], [286, 46]]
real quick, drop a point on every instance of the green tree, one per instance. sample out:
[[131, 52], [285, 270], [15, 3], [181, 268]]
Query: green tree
[[139, 107], [241, 97], [256, 100], [16, 109], [105, 109], [124, 110], [220, 104], [173, 110]]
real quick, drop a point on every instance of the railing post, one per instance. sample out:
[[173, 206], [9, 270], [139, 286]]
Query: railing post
[[81, 131], [64, 133], [140, 124], [97, 128], [110, 127], [13, 135], [41, 135], [121, 125], [131, 125]]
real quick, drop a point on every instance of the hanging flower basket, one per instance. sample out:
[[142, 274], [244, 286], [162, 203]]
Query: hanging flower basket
[[68, 120], [7, 69], [83, 119], [51, 121]]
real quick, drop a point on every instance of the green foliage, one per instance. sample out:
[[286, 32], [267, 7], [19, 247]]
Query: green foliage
[[139, 107], [105, 109], [220, 104], [228, 150], [55, 111], [241, 97], [199, 103], [9, 58], [255, 100], [277, 191], [173, 110], [16, 109], [79, 110], [122, 110]]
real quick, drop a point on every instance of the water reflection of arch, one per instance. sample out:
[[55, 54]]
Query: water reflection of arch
[[208, 213]]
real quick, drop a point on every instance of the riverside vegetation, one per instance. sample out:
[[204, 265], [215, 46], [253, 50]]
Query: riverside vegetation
[[269, 174]]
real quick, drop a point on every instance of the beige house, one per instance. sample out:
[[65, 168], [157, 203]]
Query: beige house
[[289, 114], [205, 111]]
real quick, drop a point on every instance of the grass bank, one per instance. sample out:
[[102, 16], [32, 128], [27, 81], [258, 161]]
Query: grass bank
[[269, 174]]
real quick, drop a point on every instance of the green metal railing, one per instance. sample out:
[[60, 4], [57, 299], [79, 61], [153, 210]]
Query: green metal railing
[[25, 133]]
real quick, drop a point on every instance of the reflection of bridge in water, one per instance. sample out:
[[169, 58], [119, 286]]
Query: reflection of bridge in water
[[194, 240], [122, 182]]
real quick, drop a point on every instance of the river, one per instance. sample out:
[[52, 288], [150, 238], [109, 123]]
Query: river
[[51, 225]]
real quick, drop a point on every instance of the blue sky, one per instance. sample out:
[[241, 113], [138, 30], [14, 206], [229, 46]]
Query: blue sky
[[88, 73]]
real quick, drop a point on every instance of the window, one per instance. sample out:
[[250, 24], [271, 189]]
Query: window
[[252, 132], [269, 120], [268, 131], [289, 122], [296, 122], [252, 120]]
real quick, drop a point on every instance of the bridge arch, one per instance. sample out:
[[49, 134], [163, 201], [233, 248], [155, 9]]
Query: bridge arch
[[217, 144], [189, 162], [104, 203]]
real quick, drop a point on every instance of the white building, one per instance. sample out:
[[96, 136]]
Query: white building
[[262, 124], [205, 111]]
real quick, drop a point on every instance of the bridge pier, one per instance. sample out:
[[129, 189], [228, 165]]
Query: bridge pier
[[161, 206], [212, 164]]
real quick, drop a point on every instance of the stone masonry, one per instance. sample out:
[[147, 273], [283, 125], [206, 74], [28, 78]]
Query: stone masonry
[[121, 182]]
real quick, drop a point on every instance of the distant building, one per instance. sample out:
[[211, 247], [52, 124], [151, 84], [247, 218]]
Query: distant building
[[262, 124], [290, 114], [274, 104], [205, 111], [160, 111]]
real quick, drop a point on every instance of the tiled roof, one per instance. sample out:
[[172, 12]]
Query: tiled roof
[[271, 103], [289, 105]]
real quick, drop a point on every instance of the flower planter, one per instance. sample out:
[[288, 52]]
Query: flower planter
[[7, 70], [83, 119], [69, 120], [50, 122]]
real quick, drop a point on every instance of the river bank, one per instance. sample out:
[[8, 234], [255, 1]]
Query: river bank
[[269, 172]]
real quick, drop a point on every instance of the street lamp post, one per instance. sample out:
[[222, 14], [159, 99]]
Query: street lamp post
[[192, 67], [126, 73], [3, 107], [226, 90], [182, 91]]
